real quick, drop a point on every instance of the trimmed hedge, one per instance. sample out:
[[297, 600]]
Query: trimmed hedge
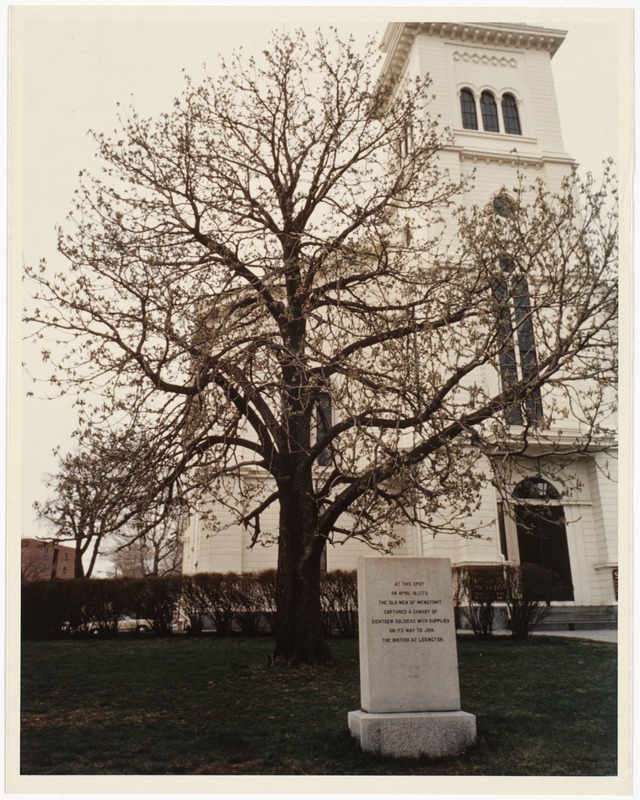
[[83, 605], [226, 603], [231, 602], [339, 601]]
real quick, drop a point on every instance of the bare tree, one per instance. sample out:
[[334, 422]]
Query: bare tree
[[77, 510], [267, 280], [156, 553], [106, 486]]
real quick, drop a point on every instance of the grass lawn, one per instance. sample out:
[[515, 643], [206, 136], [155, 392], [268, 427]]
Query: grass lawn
[[208, 706]]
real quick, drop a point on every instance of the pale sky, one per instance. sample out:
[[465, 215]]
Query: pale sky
[[70, 66]]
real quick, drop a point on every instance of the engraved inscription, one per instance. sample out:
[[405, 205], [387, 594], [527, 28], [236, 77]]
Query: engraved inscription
[[407, 613]]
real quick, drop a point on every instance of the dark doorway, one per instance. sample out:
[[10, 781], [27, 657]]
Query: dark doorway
[[542, 540]]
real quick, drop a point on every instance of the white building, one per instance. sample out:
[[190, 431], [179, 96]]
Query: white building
[[493, 87]]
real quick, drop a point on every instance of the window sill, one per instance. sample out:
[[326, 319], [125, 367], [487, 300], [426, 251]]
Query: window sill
[[494, 137]]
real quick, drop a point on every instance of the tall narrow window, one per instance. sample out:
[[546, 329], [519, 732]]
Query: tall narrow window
[[517, 351], [323, 424], [510, 116], [468, 109], [507, 351], [405, 141], [489, 112], [502, 531], [526, 345]]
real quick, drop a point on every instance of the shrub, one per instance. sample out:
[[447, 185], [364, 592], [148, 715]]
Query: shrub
[[193, 604], [458, 595], [101, 606], [158, 600], [218, 593], [43, 609], [248, 603], [339, 601], [481, 587], [528, 591], [265, 584]]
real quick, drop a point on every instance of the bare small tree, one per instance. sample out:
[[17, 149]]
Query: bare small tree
[[79, 510], [157, 552], [266, 280], [108, 486]]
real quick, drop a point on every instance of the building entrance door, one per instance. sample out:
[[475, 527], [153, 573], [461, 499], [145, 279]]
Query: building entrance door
[[542, 540]]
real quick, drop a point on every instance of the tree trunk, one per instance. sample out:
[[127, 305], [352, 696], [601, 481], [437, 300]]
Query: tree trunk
[[156, 560], [78, 567], [299, 631]]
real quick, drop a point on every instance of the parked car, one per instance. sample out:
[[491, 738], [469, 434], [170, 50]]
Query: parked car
[[125, 624]]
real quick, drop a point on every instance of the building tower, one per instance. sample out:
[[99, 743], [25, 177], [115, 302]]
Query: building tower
[[493, 88]]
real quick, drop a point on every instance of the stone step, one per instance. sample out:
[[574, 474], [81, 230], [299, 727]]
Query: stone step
[[559, 611], [580, 618], [578, 625]]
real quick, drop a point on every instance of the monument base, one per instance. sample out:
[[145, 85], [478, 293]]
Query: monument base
[[435, 734]]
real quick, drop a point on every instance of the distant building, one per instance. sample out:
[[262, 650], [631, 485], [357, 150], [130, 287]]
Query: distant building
[[43, 561]]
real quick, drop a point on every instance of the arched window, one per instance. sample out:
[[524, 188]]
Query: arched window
[[536, 488], [510, 117], [503, 205], [468, 109], [489, 112]]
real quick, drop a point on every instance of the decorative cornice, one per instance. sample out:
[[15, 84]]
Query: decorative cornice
[[490, 157], [555, 443], [399, 36], [487, 155]]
